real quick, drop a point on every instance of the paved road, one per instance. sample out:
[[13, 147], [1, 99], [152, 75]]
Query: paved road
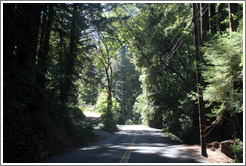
[[133, 144]]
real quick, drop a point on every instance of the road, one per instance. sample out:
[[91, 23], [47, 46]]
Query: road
[[132, 144]]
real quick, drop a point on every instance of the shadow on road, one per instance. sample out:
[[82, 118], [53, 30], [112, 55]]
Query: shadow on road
[[149, 146]]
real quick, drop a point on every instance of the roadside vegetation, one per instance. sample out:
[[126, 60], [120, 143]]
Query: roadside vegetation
[[134, 63]]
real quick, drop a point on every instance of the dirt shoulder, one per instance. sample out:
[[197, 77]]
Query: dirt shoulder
[[213, 156]]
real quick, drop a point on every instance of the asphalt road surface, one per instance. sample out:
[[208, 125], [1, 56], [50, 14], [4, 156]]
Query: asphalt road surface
[[132, 144]]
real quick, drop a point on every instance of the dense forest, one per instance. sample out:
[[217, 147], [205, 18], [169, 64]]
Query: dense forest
[[165, 65]]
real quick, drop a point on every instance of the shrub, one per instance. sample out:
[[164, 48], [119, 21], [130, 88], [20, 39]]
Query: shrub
[[173, 137], [110, 114], [30, 136], [108, 121], [76, 113], [237, 149], [129, 122]]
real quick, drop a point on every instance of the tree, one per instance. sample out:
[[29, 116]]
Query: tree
[[44, 45], [46, 50], [212, 18], [142, 55], [108, 123], [221, 72], [104, 54], [221, 17], [226, 73], [163, 63], [126, 82], [237, 118], [233, 8]]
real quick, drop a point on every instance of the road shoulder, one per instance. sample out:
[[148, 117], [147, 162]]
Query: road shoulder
[[213, 156], [101, 133]]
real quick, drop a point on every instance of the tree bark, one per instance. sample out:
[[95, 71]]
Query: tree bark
[[233, 8], [204, 22], [110, 78], [222, 15], [44, 45], [198, 21], [238, 126], [212, 17], [27, 21], [122, 96], [70, 60]]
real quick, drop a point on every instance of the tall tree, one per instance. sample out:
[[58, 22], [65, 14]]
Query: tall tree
[[221, 17], [44, 45], [21, 23], [70, 57], [204, 21], [127, 78], [163, 63], [212, 7], [237, 117], [233, 8], [104, 54]]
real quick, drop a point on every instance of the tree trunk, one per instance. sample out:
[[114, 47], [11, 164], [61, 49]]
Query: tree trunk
[[212, 17], [109, 87], [238, 126], [204, 22], [198, 21], [61, 59], [222, 15], [27, 27], [44, 45], [233, 8], [70, 60], [122, 96]]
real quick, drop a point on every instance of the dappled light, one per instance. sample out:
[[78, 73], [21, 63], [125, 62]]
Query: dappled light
[[132, 144], [120, 82]]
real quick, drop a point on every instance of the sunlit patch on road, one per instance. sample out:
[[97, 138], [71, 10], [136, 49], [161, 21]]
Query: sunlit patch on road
[[90, 148], [132, 144]]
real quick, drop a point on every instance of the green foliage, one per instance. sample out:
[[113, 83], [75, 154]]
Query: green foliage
[[224, 73], [109, 117], [56, 56], [76, 113], [128, 83], [102, 105], [31, 137], [188, 133], [237, 149], [45, 53], [129, 122], [108, 122], [143, 107], [164, 86], [173, 137]]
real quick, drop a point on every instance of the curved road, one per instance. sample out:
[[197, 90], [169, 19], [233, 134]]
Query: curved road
[[133, 144]]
